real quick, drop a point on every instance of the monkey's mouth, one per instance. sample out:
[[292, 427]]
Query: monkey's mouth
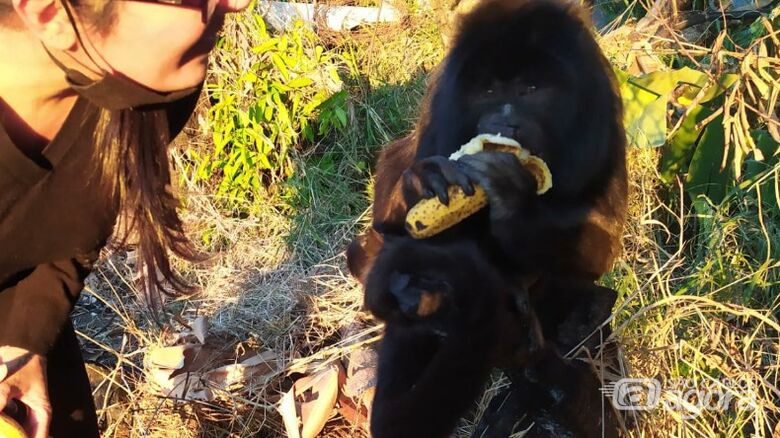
[[515, 132], [504, 130]]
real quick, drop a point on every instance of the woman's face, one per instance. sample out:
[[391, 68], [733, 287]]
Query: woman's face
[[163, 47]]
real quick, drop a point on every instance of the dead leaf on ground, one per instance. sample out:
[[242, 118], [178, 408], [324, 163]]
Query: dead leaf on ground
[[170, 358], [255, 369], [193, 371], [200, 328], [311, 402]]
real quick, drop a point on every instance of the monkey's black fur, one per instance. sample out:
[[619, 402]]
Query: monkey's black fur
[[431, 368], [530, 70]]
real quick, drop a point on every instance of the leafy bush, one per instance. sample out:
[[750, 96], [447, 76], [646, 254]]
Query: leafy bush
[[720, 140], [269, 94]]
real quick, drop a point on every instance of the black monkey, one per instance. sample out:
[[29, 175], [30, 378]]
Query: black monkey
[[530, 70], [431, 367]]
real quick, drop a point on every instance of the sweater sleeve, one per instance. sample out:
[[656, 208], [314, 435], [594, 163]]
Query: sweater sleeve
[[33, 310]]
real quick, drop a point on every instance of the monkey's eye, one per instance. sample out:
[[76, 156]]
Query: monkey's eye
[[528, 89]]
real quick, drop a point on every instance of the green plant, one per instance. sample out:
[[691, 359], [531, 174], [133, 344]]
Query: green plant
[[269, 94], [722, 138]]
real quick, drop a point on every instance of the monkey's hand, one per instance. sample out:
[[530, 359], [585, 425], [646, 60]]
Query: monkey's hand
[[433, 286], [508, 185], [420, 296], [431, 177]]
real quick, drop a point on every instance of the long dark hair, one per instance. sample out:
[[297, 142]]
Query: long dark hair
[[134, 166], [132, 149]]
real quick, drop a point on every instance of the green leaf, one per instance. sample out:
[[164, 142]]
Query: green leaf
[[334, 75], [260, 22], [265, 163], [715, 89], [249, 77], [645, 100], [308, 133], [219, 142], [342, 115], [280, 87], [664, 82], [281, 111], [678, 153], [279, 64], [300, 82], [644, 116], [705, 176], [767, 169], [265, 46]]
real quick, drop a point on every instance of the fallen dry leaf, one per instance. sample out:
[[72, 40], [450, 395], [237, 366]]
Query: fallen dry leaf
[[308, 405], [289, 414], [170, 370], [191, 371], [185, 386], [171, 358], [200, 328], [256, 368]]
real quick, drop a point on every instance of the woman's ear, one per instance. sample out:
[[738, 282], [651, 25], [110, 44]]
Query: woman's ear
[[49, 21]]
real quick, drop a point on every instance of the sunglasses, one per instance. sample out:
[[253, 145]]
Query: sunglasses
[[207, 7]]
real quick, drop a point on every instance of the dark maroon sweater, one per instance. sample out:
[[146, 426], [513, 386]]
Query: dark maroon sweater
[[53, 222]]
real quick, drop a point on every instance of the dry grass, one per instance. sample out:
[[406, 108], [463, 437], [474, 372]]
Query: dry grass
[[704, 335], [256, 294], [696, 302]]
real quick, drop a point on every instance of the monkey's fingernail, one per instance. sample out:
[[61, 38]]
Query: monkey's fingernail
[[428, 193]]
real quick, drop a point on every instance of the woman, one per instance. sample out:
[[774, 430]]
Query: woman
[[91, 92]]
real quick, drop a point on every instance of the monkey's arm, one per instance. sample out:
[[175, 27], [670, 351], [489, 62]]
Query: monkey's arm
[[576, 234], [425, 383], [389, 209]]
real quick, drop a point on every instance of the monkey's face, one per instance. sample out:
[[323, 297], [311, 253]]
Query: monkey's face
[[530, 70], [529, 101]]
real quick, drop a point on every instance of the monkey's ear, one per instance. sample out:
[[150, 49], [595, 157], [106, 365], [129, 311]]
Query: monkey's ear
[[569, 315], [361, 253]]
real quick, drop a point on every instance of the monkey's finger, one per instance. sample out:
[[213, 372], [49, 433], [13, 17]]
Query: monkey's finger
[[450, 171], [476, 170], [435, 182], [454, 175], [501, 168], [492, 162], [412, 186]]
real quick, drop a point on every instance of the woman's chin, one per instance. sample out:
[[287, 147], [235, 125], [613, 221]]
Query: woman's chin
[[190, 75]]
